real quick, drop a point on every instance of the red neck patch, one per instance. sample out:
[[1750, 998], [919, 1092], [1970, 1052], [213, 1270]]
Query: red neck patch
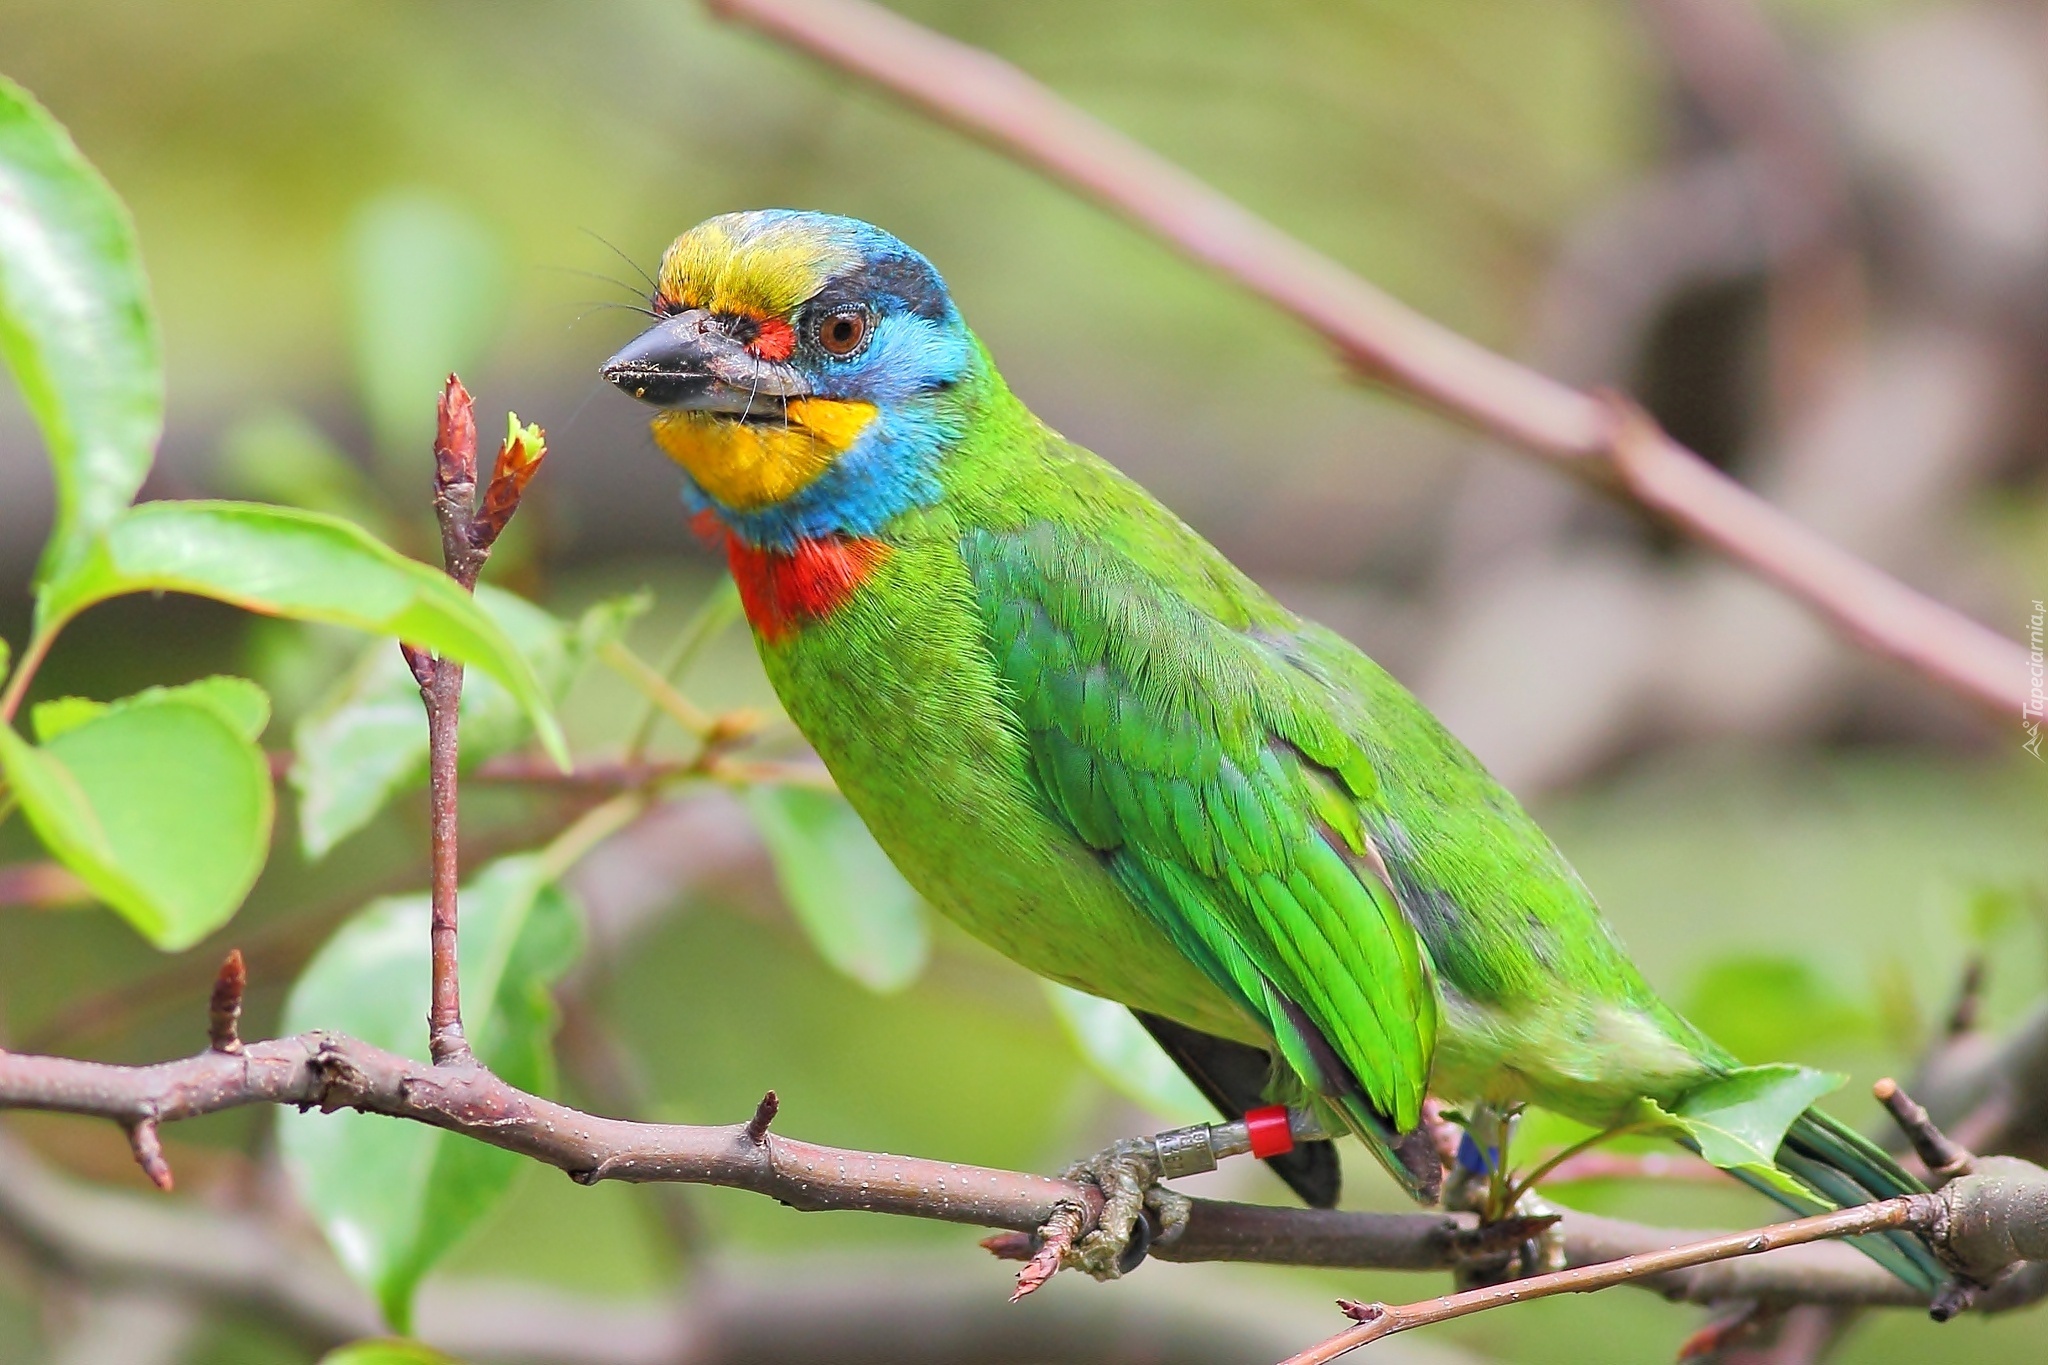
[[780, 590]]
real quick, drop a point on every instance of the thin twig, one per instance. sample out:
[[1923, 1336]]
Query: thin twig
[[440, 683], [719, 609], [1378, 1320], [149, 1153], [1590, 1166], [656, 689], [1945, 1160], [40, 886], [467, 535], [1602, 440], [1962, 1018], [32, 656], [1055, 1239], [1549, 1165]]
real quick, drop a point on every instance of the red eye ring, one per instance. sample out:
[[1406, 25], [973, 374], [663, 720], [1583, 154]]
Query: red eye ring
[[842, 333]]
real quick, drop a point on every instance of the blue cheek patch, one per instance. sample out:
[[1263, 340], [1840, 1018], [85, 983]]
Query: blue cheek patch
[[908, 372], [907, 358]]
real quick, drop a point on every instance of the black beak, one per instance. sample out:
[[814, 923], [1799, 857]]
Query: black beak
[[692, 361]]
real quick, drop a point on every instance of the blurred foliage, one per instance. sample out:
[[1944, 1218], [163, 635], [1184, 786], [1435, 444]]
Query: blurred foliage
[[393, 1197], [335, 216]]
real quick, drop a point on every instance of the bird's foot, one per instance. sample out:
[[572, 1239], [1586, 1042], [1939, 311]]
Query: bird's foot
[[1134, 1213], [1527, 1240], [1125, 1172]]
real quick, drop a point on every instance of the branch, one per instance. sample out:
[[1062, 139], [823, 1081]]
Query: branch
[[467, 534], [1995, 1216], [921, 1311], [1916, 1212], [1600, 439]]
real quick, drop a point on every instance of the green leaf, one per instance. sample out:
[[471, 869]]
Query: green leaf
[[1739, 1118], [239, 702], [160, 803], [1116, 1046], [75, 324], [391, 1351], [366, 741], [861, 915], [283, 562], [393, 1197], [428, 291]]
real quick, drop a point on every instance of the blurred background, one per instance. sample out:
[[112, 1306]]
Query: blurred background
[[1811, 235]]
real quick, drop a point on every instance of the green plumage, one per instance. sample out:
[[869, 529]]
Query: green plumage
[[1089, 739], [1085, 736]]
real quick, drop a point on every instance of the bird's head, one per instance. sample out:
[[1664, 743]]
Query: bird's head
[[810, 371]]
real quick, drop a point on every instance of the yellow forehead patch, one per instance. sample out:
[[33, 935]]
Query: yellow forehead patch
[[748, 467], [739, 264]]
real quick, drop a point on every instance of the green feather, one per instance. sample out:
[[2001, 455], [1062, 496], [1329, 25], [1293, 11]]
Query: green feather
[[1085, 736]]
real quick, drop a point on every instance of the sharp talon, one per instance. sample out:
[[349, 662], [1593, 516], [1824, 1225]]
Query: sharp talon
[[1139, 1246], [1126, 1174]]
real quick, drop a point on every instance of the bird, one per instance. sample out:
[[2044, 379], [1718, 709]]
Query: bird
[[1090, 740]]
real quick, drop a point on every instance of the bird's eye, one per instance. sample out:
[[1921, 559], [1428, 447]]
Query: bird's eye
[[844, 332]]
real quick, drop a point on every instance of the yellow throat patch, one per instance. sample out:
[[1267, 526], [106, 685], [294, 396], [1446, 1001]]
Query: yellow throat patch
[[748, 466]]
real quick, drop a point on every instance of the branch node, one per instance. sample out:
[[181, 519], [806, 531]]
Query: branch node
[[149, 1153], [1361, 1312], [421, 663], [224, 1010], [1944, 1157], [756, 1131]]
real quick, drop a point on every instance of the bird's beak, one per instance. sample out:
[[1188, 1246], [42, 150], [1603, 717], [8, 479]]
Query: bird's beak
[[692, 361]]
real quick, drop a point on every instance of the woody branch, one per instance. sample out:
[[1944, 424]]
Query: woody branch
[[467, 533], [1990, 1218], [1599, 438]]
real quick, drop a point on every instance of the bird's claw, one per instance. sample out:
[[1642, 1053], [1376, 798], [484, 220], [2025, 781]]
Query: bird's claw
[[1125, 1172], [1137, 1212], [1529, 1240]]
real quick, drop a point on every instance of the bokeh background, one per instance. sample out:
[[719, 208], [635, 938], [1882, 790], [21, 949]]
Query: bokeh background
[[1811, 235]]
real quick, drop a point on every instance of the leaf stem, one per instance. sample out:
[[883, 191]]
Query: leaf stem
[[1585, 1144], [32, 656], [658, 691], [596, 825], [719, 609]]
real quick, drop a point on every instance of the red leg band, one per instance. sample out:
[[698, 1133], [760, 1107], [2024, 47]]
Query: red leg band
[[1268, 1131]]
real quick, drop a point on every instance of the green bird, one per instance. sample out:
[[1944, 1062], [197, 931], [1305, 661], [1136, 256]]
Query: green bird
[[1085, 736]]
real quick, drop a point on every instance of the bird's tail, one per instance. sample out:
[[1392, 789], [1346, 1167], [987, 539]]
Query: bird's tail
[[1841, 1168]]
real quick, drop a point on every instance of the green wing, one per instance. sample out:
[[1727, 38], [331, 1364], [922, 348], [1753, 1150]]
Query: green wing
[[1196, 754]]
